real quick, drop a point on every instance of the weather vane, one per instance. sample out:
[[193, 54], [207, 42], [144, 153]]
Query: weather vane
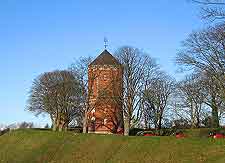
[[105, 42]]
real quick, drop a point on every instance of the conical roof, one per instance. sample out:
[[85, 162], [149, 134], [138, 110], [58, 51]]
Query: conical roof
[[105, 58]]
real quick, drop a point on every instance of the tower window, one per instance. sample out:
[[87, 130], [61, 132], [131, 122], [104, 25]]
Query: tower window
[[105, 121]]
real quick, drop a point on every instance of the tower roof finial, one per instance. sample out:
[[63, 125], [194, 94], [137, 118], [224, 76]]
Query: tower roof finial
[[105, 42]]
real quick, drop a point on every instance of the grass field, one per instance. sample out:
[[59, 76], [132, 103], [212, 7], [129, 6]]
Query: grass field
[[30, 146]]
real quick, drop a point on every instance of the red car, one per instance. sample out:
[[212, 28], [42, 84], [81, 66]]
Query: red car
[[149, 134], [180, 135], [218, 136]]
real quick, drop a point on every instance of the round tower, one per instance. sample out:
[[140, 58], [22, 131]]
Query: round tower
[[105, 75]]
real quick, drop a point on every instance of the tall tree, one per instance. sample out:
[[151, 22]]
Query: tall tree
[[191, 99], [156, 99], [137, 69], [213, 97], [58, 94], [80, 69], [204, 53]]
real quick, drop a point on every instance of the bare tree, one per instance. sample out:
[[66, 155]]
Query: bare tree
[[204, 53], [80, 69], [213, 98], [58, 94], [137, 67], [156, 98], [191, 99], [212, 9]]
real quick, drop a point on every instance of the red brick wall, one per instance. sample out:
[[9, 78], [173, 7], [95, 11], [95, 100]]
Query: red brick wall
[[105, 90]]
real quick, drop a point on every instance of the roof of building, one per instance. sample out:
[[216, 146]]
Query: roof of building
[[105, 58]]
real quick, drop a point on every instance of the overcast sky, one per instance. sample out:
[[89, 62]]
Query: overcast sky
[[37, 36]]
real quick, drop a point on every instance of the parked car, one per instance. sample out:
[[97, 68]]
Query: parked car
[[216, 135], [180, 135], [150, 134]]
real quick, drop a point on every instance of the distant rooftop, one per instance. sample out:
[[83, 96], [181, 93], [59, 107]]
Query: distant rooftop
[[105, 58]]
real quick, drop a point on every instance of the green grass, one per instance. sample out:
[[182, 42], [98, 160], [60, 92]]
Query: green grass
[[30, 146]]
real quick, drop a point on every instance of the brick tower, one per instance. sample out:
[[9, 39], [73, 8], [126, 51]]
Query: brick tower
[[105, 75]]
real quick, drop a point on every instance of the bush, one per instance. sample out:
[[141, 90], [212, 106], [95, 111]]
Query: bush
[[76, 129], [198, 132], [181, 124], [162, 132], [134, 131], [203, 132], [170, 131]]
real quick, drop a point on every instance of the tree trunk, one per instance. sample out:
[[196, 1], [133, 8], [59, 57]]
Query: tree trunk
[[126, 126], [146, 123], [198, 121], [66, 127], [55, 125], [160, 123], [215, 118], [60, 128], [54, 128], [61, 125], [192, 115], [85, 122]]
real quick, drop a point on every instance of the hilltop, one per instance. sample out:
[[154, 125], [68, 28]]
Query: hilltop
[[30, 145]]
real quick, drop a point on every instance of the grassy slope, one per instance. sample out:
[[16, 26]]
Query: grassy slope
[[46, 146]]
